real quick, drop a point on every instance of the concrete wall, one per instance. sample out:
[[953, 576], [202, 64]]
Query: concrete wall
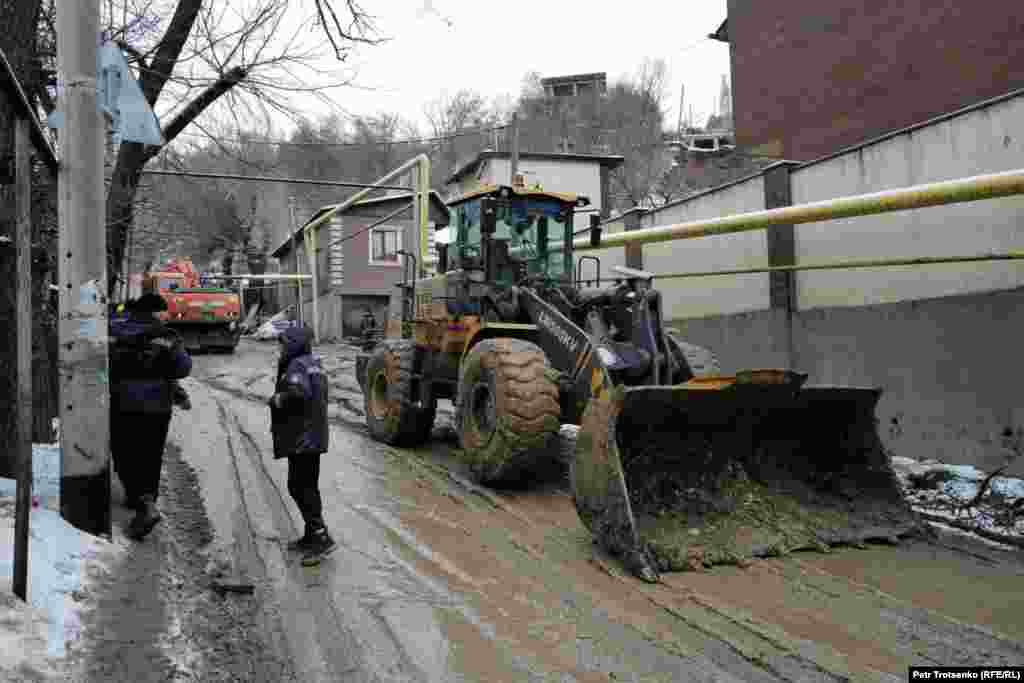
[[941, 341], [987, 140], [689, 297], [949, 368]]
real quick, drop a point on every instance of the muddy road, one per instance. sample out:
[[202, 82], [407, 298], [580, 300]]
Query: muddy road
[[440, 580]]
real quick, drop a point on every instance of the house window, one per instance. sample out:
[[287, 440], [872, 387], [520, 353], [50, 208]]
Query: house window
[[384, 245]]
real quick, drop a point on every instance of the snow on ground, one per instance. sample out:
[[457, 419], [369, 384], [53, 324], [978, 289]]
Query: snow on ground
[[58, 557], [962, 485]]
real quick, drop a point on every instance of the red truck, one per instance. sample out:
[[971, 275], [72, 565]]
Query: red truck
[[206, 317]]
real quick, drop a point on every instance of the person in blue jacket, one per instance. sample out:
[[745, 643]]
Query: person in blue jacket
[[146, 360], [298, 423]]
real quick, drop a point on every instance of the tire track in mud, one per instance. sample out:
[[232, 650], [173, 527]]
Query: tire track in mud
[[339, 643], [336, 654], [155, 616], [920, 635], [369, 602], [938, 637], [719, 653], [778, 663]]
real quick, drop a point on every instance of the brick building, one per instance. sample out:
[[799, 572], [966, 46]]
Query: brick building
[[810, 78]]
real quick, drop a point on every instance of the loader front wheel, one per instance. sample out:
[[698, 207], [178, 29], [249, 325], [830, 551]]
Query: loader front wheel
[[507, 409], [392, 415]]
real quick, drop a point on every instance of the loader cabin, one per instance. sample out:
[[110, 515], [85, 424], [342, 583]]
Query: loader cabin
[[510, 232]]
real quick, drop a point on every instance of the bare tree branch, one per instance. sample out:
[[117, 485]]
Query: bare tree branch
[[199, 104], [166, 57]]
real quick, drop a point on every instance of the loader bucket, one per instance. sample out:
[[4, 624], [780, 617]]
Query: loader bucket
[[722, 470]]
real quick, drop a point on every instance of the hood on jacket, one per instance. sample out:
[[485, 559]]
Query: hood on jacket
[[148, 303], [136, 325], [296, 341]]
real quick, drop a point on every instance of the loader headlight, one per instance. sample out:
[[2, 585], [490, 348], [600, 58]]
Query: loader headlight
[[606, 356]]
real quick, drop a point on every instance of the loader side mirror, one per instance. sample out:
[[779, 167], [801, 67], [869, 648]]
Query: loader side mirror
[[595, 230], [488, 216], [442, 258]]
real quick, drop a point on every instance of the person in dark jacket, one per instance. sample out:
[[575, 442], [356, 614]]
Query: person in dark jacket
[[298, 422], [146, 360]]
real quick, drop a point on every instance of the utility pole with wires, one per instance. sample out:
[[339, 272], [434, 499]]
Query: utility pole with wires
[[295, 252], [82, 269], [514, 151]]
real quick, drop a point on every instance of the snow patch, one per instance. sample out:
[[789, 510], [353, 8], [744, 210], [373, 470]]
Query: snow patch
[[23, 636], [45, 477], [58, 553], [959, 485]]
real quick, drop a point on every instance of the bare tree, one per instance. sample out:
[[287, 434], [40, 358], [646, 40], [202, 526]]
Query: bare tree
[[251, 57], [461, 124], [634, 120], [628, 119]]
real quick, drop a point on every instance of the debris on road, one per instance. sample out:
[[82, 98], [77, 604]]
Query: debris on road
[[949, 495], [273, 328], [233, 586]]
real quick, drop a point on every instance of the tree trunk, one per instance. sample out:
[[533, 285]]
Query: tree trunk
[[124, 183], [132, 158]]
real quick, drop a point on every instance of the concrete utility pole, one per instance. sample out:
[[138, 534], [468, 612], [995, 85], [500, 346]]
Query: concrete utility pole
[[514, 149], [314, 266], [298, 261], [82, 268]]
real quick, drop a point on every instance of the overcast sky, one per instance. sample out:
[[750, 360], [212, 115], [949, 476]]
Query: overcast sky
[[447, 45]]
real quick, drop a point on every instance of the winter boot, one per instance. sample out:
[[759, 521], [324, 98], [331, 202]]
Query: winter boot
[[320, 546], [301, 544], [146, 517]]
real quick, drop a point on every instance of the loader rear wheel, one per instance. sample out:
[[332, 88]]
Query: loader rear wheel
[[392, 416], [507, 409], [694, 361]]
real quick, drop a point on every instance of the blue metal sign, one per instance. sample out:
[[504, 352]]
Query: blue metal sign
[[120, 98]]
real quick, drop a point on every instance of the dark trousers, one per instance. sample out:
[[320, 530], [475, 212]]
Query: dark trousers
[[304, 487], [137, 446]]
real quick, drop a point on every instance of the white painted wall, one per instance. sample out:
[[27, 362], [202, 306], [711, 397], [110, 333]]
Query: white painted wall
[[983, 141], [707, 296]]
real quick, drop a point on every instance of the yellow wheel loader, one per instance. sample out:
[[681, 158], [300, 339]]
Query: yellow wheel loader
[[675, 464]]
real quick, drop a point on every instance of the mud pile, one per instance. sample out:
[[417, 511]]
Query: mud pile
[[726, 495]]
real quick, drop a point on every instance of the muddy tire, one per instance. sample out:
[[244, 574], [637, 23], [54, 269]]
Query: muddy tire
[[507, 409], [392, 416], [696, 361]]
